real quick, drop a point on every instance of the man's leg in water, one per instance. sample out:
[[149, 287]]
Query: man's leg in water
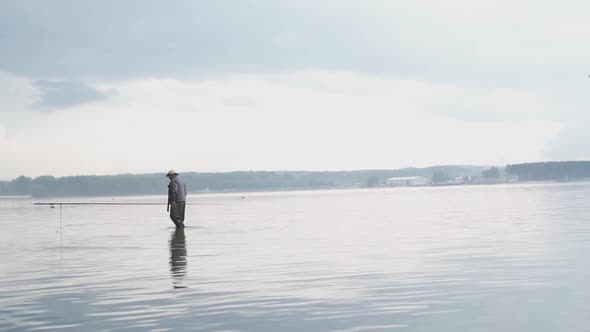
[[181, 208], [174, 215]]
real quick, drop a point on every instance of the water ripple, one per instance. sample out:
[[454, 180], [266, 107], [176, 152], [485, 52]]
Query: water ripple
[[430, 259]]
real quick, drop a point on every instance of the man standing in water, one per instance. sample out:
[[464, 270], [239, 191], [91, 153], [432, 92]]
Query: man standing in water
[[176, 198]]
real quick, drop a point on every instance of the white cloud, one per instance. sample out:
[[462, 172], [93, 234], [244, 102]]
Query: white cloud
[[571, 144], [313, 120], [292, 84], [16, 93], [524, 32], [446, 40]]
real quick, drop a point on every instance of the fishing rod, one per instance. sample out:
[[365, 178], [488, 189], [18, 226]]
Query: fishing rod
[[113, 203]]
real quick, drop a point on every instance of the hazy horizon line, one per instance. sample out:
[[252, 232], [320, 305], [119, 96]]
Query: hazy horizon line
[[266, 170], [301, 170]]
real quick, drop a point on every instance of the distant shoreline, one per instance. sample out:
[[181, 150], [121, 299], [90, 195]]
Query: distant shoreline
[[272, 181], [286, 190]]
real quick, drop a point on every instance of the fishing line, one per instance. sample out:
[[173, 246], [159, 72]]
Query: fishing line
[[116, 203]]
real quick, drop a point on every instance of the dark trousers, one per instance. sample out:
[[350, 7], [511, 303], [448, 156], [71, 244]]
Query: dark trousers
[[177, 213]]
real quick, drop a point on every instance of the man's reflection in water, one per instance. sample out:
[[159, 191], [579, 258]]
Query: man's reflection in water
[[178, 257]]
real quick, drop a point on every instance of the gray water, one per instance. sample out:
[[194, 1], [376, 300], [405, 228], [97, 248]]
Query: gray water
[[473, 258]]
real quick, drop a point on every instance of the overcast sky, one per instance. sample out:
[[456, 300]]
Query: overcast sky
[[103, 87]]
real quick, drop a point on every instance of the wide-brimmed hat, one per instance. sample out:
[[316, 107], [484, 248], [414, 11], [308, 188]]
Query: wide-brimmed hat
[[171, 172]]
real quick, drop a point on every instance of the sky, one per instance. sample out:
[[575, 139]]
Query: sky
[[142, 86]]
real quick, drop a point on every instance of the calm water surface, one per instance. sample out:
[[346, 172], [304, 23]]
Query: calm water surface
[[489, 258]]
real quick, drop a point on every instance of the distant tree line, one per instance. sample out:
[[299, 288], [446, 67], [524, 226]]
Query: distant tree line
[[154, 184], [440, 177], [492, 172], [550, 171]]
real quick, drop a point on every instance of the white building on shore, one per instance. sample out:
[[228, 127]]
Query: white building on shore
[[407, 181]]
